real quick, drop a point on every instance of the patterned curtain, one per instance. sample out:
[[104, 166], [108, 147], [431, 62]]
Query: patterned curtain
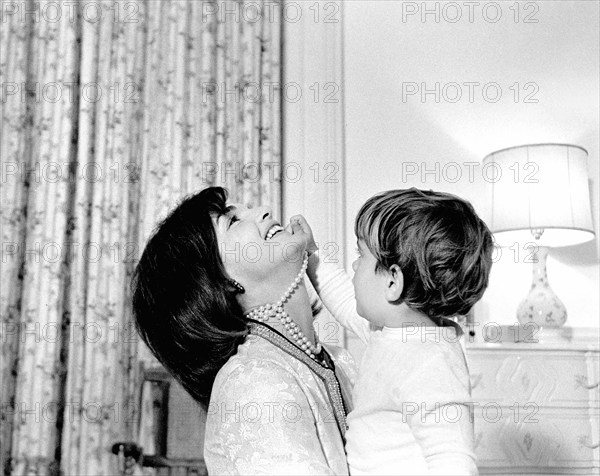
[[111, 112]]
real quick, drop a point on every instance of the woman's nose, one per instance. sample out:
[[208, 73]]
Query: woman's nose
[[263, 212], [354, 265]]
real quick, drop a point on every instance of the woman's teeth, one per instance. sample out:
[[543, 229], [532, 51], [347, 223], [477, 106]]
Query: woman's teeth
[[273, 230]]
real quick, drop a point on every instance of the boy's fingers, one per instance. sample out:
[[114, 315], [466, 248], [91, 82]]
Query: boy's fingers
[[301, 221], [296, 227], [299, 224]]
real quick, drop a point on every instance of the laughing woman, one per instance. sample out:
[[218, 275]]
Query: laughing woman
[[219, 297]]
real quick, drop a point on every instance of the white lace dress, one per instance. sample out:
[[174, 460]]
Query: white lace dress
[[269, 413]]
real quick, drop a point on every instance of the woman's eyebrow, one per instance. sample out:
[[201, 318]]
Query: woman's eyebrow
[[225, 213]]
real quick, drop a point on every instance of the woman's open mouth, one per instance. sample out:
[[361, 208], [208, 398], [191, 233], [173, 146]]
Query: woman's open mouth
[[275, 229]]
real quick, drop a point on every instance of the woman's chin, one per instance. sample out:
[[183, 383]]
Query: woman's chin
[[287, 240], [288, 252]]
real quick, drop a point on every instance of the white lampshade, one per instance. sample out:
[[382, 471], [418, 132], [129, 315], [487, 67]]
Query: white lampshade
[[539, 186]]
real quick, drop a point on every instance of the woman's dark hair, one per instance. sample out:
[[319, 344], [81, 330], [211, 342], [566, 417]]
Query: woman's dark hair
[[442, 247], [184, 307]]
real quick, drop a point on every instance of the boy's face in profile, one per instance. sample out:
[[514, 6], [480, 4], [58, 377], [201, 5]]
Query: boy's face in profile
[[369, 286]]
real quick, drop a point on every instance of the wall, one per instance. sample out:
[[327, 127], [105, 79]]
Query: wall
[[313, 127], [555, 61]]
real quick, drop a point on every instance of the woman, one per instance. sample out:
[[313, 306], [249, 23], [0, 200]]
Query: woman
[[220, 299]]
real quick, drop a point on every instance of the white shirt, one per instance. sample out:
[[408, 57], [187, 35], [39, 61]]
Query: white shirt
[[412, 406]]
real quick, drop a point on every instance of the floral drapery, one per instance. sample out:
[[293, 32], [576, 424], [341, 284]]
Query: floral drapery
[[111, 112]]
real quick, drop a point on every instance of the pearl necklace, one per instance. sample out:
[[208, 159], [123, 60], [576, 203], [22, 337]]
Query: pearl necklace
[[266, 311]]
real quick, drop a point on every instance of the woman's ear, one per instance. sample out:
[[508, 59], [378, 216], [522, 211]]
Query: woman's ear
[[394, 284]]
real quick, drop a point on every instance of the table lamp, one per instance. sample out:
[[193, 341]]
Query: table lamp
[[539, 195]]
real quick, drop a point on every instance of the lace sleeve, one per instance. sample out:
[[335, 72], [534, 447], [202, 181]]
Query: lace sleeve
[[336, 291], [260, 422]]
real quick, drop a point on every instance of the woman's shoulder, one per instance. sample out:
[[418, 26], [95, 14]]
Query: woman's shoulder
[[257, 353], [260, 367], [257, 367], [254, 353]]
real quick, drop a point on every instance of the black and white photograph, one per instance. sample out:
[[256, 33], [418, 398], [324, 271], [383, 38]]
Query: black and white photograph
[[299, 237]]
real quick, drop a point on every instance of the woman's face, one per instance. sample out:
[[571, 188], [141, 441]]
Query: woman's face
[[254, 246]]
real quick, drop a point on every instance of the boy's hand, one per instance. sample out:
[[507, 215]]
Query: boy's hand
[[298, 224]]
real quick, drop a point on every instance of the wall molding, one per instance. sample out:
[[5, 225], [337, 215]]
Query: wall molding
[[313, 126]]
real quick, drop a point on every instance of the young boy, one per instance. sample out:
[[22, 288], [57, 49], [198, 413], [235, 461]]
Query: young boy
[[423, 257]]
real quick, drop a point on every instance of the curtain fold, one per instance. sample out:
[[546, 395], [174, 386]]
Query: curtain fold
[[131, 106]]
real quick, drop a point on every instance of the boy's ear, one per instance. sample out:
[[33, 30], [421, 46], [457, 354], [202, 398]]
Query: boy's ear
[[394, 284]]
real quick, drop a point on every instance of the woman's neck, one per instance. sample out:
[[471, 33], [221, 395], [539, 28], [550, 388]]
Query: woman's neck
[[299, 310]]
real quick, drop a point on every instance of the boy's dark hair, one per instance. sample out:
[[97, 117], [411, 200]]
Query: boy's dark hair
[[442, 247]]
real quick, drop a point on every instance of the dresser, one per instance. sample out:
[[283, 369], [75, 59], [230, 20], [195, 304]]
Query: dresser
[[536, 399]]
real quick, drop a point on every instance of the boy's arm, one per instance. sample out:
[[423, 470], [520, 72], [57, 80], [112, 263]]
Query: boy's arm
[[337, 293]]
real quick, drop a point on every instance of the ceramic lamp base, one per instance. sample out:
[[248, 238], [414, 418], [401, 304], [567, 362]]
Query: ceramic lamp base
[[541, 306]]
